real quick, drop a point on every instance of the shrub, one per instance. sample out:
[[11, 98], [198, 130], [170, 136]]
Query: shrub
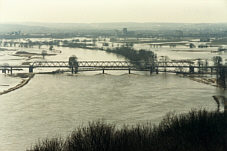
[[54, 144], [195, 131]]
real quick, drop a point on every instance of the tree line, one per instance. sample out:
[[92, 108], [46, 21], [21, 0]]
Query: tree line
[[140, 58]]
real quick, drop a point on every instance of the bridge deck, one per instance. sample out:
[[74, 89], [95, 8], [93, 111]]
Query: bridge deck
[[172, 66]]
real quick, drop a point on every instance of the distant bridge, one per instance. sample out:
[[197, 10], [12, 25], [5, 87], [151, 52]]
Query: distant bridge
[[95, 64], [174, 66]]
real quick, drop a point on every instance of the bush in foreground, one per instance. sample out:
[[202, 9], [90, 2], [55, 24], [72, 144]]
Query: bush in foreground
[[194, 131]]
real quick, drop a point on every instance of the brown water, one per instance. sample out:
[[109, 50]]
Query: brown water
[[54, 105]]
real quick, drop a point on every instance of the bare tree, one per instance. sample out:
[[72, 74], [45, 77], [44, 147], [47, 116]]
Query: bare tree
[[44, 53]]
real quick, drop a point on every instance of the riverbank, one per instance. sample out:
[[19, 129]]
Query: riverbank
[[26, 77], [194, 131], [205, 80]]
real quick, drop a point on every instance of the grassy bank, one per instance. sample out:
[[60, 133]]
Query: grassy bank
[[195, 131]]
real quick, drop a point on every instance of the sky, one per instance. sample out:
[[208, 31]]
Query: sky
[[97, 11]]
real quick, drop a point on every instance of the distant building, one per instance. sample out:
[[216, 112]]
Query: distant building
[[204, 39], [15, 33], [179, 33], [125, 31]]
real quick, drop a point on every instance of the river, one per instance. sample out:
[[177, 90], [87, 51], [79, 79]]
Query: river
[[54, 105]]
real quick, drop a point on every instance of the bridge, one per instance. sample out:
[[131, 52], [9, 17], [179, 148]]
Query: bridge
[[173, 66]]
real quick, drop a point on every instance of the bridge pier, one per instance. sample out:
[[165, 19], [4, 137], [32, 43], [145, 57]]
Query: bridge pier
[[129, 71], [156, 70], [4, 71], [11, 70], [72, 69], [191, 69], [151, 70], [76, 70], [103, 71], [31, 69]]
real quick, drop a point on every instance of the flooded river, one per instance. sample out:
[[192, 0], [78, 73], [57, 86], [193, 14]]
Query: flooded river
[[54, 105]]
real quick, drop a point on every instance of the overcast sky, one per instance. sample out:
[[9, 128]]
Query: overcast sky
[[88, 11]]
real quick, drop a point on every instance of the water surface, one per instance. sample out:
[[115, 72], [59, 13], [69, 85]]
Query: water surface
[[53, 105]]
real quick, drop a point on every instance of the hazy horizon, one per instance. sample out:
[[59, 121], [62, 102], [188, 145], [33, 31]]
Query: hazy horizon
[[39, 22], [113, 11]]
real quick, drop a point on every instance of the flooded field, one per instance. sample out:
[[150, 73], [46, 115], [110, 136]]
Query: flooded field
[[53, 105]]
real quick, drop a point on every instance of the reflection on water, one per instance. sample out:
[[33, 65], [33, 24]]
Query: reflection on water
[[53, 105]]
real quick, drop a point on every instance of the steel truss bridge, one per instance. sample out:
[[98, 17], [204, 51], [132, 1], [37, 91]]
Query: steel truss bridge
[[82, 64], [174, 66]]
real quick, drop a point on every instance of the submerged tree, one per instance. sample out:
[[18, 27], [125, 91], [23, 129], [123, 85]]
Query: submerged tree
[[221, 71], [44, 53], [191, 45], [217, 60], [73, 63], [51, 47]]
